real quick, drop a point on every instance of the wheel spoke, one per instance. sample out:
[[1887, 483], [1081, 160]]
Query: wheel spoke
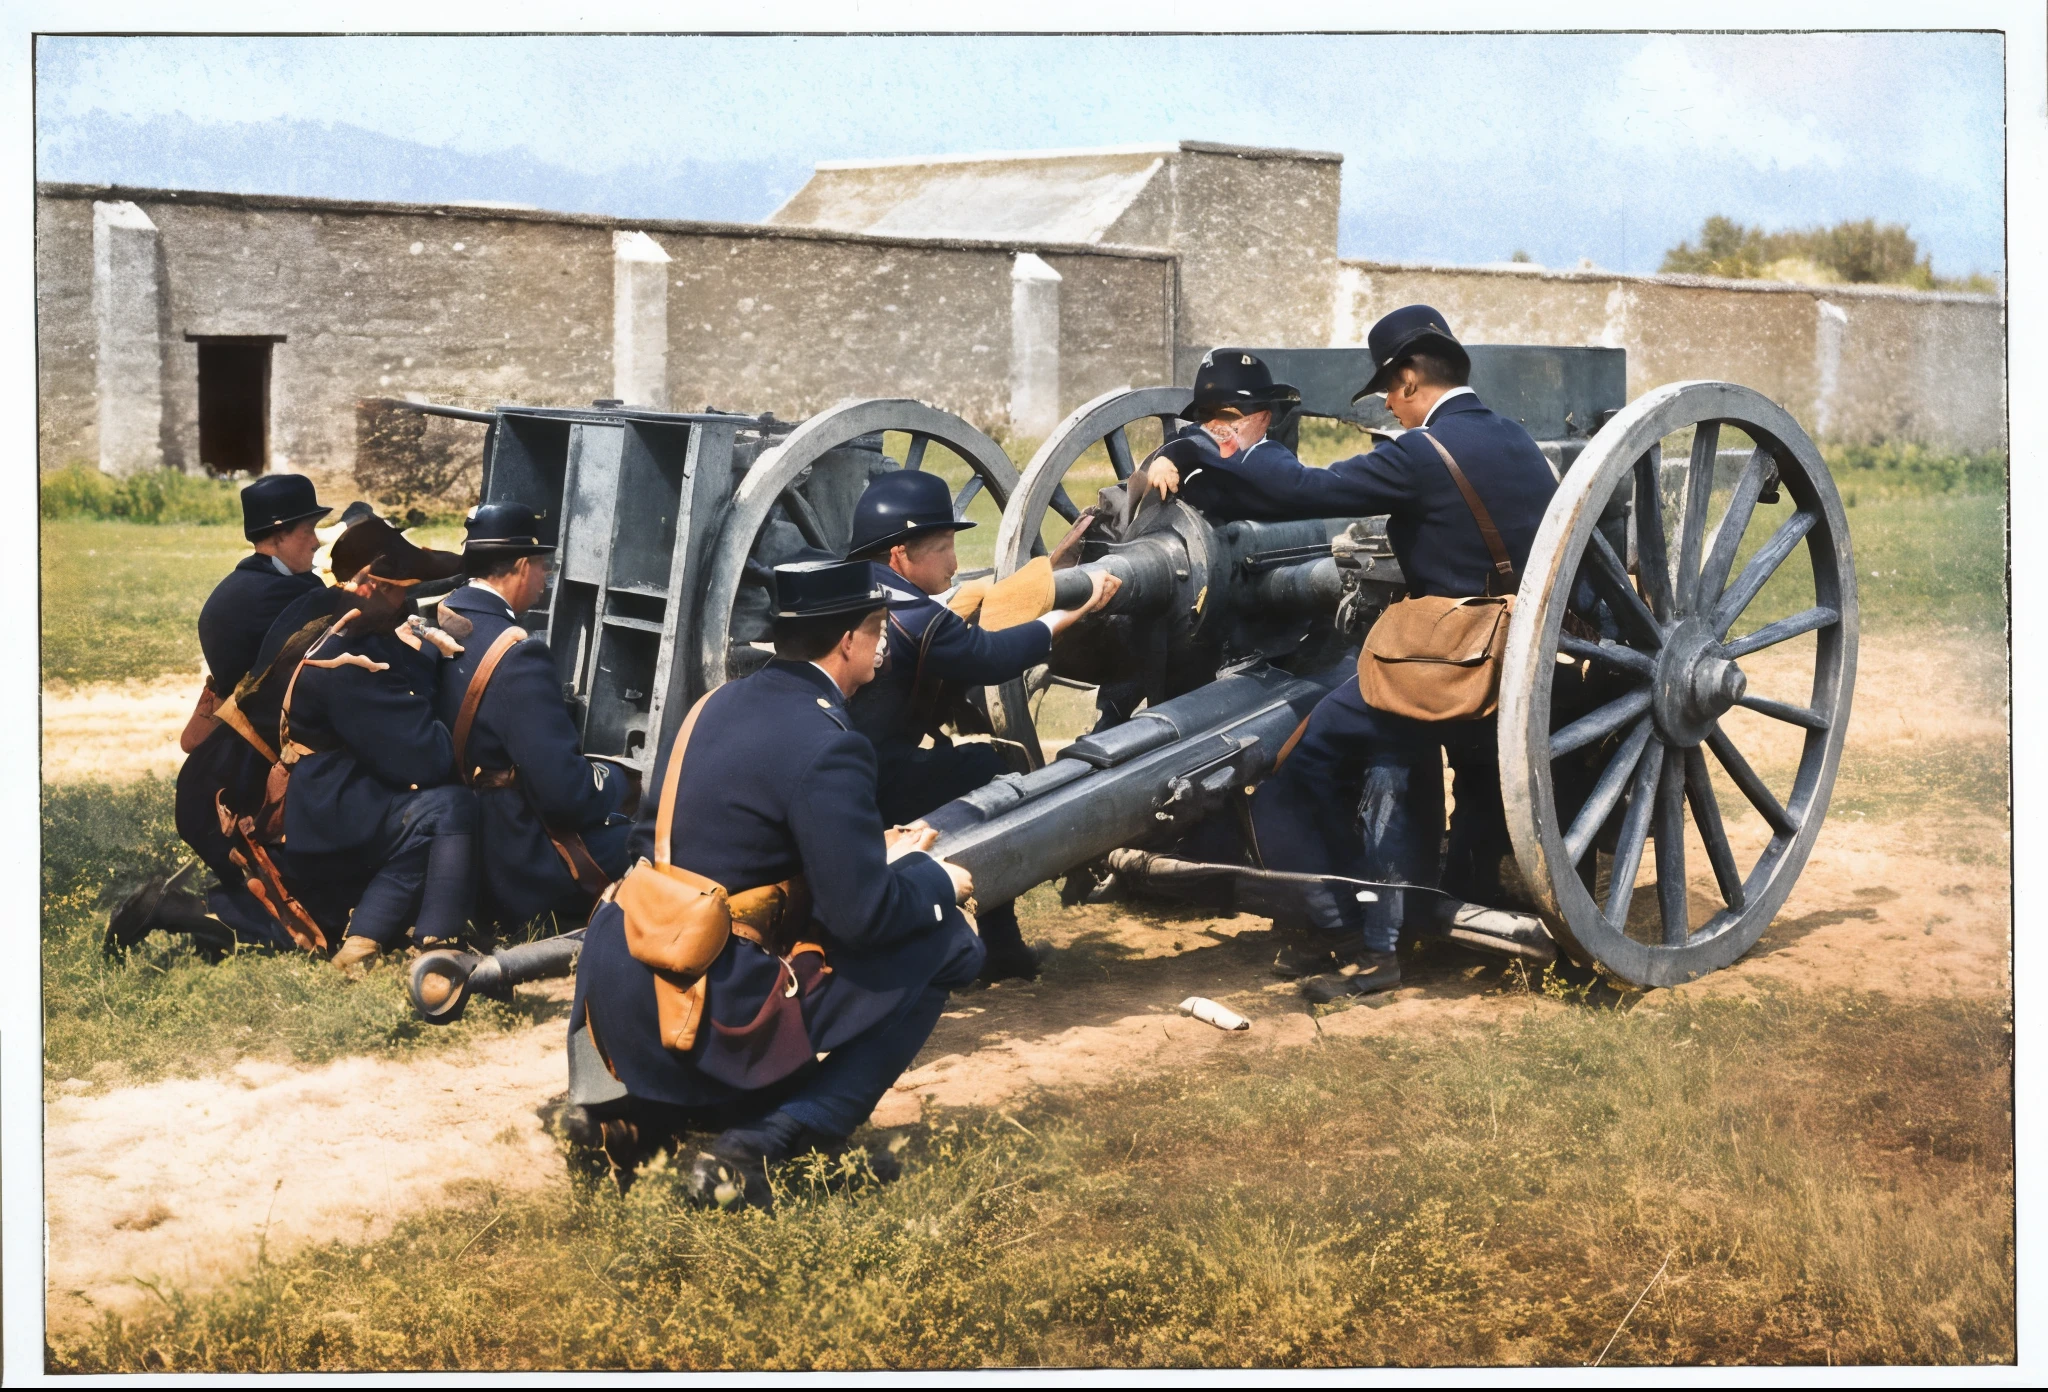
[[1611, 578], [1653, 560], [1692, 527], [1754, 788], [1119, 446], [1613, 654], [1671, 850], [967, 496], [805, 517], [1063, 505], [1601, 723], [1606, 793], [1706, 815], [1635, 830], [1805, 621], [1728, 535], [1791, 715], [914, 459], [1761, 567]]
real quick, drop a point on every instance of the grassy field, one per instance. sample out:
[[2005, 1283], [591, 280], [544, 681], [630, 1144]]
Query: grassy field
[[1778, 1179]]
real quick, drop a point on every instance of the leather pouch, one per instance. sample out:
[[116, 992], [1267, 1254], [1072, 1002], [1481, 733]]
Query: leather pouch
[[1436, 657]]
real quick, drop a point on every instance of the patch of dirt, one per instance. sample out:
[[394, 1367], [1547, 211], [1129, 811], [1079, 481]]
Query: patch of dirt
[[116, 731], [187, 1180]]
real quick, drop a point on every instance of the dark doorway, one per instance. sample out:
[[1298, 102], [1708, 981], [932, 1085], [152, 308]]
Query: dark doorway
[[234, 404]]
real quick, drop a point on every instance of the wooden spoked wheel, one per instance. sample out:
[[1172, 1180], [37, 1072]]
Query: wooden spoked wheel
[[1105, 421], [1641, 642], [810, 481]]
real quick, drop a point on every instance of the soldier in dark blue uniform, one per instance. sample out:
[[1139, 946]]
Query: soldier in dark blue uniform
[[904, 525], [370, 794], [279, 514], [1356, 764], [776, 796], [1235, 397], [519, 750]]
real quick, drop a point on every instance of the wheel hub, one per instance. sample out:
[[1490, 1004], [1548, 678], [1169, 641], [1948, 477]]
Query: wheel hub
[[1696, 684]]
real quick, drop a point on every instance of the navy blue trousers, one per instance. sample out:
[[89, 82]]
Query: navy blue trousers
[[420, 867], [1362, 796]]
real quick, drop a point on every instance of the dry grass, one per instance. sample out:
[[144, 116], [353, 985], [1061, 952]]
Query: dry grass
[[1821, 1181]]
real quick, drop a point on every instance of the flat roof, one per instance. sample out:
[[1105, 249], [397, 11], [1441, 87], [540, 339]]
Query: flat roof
[[1202, 147]]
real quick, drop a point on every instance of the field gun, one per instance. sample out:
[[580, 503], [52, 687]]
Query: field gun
[[1637, 647]]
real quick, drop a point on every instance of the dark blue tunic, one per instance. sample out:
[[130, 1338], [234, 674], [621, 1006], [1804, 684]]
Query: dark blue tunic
[[521, 723], [379, 741], [1431, 529], [774, 784], [958, 652], [239, 613]]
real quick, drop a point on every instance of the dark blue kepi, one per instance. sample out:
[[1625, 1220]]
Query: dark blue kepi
[[900, 506], [819, 589], [1411, 329], [504, 529], [278, 500]]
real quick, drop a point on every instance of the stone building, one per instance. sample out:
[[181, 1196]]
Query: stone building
[[239, 332]]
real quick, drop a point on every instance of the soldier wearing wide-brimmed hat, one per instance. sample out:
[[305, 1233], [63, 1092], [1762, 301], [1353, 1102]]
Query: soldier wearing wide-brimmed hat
[[904, 524], [1351, 754], [552, 830], [1209, 460], [846, 940], [279, 514]]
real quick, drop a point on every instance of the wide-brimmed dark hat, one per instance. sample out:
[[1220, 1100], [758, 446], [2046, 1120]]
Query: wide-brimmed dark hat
[[900, 506], [375, 543], [504, 529], [1411, 329], [820, 589], [1236, 380], [278, 500]]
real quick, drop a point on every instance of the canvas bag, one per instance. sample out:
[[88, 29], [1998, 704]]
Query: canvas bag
[[1438, 657]]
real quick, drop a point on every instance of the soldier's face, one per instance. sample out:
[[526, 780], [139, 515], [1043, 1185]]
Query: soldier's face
[[864, 657], [295, 545], [928, 563]]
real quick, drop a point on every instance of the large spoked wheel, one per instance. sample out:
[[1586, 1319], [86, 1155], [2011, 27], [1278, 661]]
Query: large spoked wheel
[[1607, 720], [798, 498], [1105, 421]]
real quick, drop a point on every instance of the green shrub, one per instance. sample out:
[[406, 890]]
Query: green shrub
[[159, 495], [1899, 466]]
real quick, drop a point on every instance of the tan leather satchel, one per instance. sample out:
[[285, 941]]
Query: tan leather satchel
[[1438, 657], [677, 921]]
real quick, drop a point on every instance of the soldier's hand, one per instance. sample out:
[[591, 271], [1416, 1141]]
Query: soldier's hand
[[1163, 477], [963, 883], [1106, 586], [900, 841]]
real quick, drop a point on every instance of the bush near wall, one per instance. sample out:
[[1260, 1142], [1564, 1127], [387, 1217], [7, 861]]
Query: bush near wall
[[1902, 467], [160, 495]]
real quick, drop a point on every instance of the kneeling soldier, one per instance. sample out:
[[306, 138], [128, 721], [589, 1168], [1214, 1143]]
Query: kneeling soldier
[[551, 833], [369, 794], [904, 524], [279, 513], [844, 941]]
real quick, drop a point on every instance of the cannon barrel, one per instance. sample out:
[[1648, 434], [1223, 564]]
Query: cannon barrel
[[1150, 778], [1266, 567]]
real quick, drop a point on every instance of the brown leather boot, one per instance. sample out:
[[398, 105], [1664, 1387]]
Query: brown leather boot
[[356, 951]]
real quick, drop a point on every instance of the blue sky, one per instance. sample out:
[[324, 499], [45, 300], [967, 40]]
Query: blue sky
[[1457, 148]]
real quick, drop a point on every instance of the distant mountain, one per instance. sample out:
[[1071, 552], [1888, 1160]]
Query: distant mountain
[[318, 160]]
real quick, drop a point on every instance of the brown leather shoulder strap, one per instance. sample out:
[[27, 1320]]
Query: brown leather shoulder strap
[[284, 710], [672, 778], [229, 713], [1504, 567], [474, 696]]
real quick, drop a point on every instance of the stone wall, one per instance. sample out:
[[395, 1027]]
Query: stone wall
[[477, 306], [1852, 363]]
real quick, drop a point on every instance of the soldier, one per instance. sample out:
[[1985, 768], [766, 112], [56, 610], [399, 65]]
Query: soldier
[[1207, 459], [370, 796], [279, 514], [846, 937], [1354, 760], [904, 525], [551, 831]]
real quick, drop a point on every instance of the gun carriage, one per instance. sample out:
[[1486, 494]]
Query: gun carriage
[[1644, 594]]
